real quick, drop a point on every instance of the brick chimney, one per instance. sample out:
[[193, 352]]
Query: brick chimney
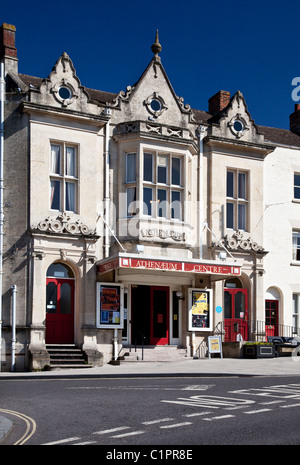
[[295, 120], [218, 102], [7, 41], [8, 51]]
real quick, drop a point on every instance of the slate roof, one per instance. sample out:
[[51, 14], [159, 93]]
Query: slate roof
[[273, 135]]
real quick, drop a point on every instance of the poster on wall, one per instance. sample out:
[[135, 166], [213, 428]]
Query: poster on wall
[[109, 305], [199, 309]]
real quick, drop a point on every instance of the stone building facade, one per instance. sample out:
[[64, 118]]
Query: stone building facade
[[132, 217]]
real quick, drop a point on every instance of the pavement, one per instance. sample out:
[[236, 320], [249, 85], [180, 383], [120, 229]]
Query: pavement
[[279, 366], [209, 367]]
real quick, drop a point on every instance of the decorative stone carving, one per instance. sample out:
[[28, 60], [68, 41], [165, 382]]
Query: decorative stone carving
[[163, 234], [185, 107], [154, 129], [155, 104], [174, 132], [238, 242], [64, 223], [124, 96]]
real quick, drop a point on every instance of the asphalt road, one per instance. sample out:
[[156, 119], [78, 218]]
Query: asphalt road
[[178, 413]]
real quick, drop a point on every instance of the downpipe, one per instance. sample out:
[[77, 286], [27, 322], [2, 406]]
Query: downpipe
[[201, 134], [2, 95], [13, 328]]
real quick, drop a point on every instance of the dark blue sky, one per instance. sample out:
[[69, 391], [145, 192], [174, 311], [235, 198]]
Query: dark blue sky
[[251, 46]]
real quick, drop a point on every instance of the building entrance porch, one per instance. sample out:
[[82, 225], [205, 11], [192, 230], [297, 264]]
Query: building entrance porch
[[150, 315]]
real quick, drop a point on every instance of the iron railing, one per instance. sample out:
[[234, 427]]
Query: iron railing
[[257, 331]]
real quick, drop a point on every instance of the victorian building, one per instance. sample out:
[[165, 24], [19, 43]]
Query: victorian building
[[131, 218]]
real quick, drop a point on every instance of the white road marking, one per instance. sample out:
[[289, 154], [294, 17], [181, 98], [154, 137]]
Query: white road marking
[[289, 406], [196, 387], [176, 425], [210, 401], [258, 411], [61, 441], [133, 433], [220, 417], [84, 443], [153, 422], [271, 402], [112, 430], [198, 414]]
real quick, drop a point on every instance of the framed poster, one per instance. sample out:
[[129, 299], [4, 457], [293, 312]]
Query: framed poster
[[200, 302], [110, 308]]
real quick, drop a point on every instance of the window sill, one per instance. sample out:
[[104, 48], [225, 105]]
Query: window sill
[[295, 263]]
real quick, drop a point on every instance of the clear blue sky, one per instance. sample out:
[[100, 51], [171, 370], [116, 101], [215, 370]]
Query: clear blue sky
[[251, 46]]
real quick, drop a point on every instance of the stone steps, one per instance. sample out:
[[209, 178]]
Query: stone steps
[[152, 354], [66, 356]]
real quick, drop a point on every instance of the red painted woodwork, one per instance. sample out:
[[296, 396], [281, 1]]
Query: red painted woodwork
[[159, 315], [271, 307], [236, 314], [59, 311]]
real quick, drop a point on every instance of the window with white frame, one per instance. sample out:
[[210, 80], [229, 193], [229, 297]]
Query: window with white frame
[[296, 313], [237, 203], [296, 245], [131, 183], [63, 177], [297, 186], [159, 190], [162, 185]]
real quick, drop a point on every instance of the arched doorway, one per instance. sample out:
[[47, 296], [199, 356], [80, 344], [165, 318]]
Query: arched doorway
[[60, 285], [235, 310]]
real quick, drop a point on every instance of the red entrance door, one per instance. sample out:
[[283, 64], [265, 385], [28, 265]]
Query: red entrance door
[[59, 311], [271, 317], [236, 314], [159, 315]]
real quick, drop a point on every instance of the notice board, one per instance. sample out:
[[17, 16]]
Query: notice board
[[215, 345]]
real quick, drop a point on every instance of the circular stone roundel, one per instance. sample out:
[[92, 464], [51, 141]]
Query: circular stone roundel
[[155, 104]]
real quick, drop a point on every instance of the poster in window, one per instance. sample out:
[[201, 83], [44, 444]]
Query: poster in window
[[199, 309], [109, 305]]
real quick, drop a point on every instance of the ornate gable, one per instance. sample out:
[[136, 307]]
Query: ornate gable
[[63, 89], [153, 98], [235, 123]]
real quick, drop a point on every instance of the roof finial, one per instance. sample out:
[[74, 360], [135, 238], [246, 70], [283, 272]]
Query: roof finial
[[156, 47]]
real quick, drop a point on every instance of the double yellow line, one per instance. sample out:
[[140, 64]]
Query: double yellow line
[[30, 426]]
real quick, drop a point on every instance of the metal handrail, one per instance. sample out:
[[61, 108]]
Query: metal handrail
[[135, 343]]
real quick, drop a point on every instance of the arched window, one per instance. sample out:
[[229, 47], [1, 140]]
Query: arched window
[[58, 270], [233, 283]]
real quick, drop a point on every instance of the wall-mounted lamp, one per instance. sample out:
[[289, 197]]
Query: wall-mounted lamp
[[179, 295], [139, 248], [222, 256]]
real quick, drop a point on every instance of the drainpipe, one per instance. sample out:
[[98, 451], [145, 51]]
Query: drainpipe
[[106, 219], [106, 185], [115, 344], [2, 95], [13, 328], [201, 133]]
